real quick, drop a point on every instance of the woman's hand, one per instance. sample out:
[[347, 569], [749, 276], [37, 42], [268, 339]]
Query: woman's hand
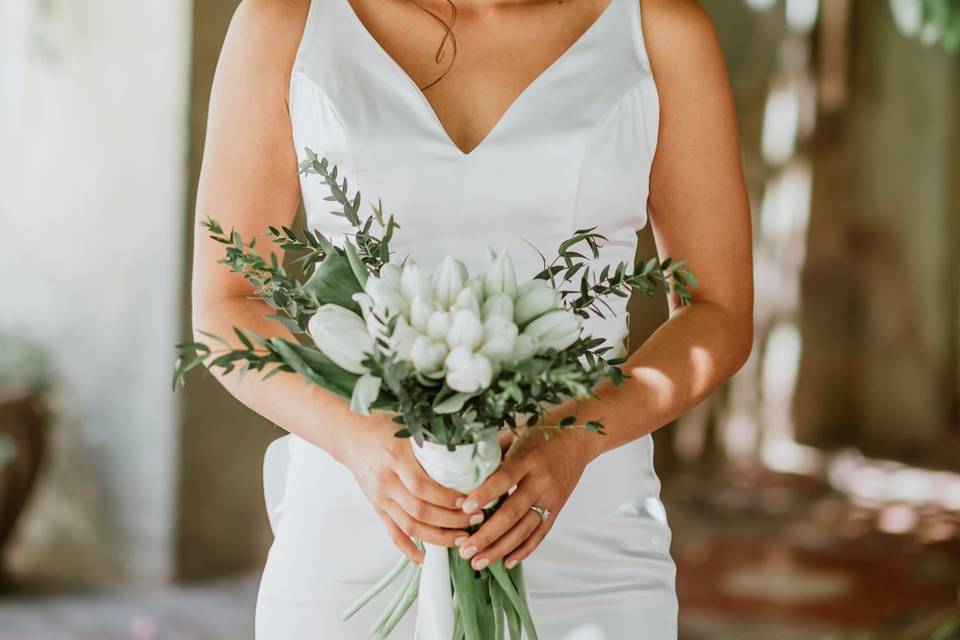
[[410, 503], [544, 471]]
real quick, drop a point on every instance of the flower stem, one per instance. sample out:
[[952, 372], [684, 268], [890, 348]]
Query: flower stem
[[503, 579], [375, 590], [410, 594]]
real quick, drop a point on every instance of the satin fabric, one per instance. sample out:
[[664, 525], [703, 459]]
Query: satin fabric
[[573, 151]]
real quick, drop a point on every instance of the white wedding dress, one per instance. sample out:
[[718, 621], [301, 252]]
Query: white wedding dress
[[573, 151]]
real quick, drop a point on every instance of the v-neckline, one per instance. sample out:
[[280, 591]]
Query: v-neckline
[[507, 113]]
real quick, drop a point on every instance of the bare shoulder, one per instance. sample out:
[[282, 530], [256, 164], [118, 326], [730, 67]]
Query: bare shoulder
[[680, 38], [267, 34]]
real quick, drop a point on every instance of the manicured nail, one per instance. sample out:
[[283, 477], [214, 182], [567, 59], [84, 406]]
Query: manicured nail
[[481, 564], [476, 518], [459, 502], [459, 541], [468, 553], [470, 506], [511, 564]]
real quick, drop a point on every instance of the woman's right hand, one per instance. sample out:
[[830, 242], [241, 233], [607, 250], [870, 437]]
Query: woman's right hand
[[410, 503]]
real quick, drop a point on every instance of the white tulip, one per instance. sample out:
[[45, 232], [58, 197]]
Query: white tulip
[[415, 282], [499, 304], [525, 346], [465, 330], [386, 299], [468, 372], [402, 339], [438, 326], [421, 309], [476, 285], [342, 336], [534, 298], [556, 329], [448, 282], [468, 301], [499, 339], [500, 276], [427, 356], [391, 274]]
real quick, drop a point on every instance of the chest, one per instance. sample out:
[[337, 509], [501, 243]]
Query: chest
[[572, 150], [472, 63]]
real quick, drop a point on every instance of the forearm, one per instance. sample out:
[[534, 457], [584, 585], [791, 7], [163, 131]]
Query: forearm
[[316, 415], [698, 348]]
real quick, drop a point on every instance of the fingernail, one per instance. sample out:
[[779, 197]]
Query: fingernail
[[459, 541], [468, 553], [459, 502], [476, 518], [481, 564], [511, 564], [470, 506]]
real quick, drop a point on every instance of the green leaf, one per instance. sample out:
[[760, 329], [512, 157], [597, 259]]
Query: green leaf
[[453, 403], [356, 265], [333, 282]]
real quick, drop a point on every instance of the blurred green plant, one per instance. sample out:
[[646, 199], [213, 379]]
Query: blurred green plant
[[24, 363], [932, 22]]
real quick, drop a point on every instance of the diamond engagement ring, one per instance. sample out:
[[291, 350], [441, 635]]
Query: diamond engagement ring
[[540, 511]]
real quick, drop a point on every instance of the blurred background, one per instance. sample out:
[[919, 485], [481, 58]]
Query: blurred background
[[816, 495]]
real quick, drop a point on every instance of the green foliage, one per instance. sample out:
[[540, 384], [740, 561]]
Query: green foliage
[[426, 408], [584, 290], [933, 22]]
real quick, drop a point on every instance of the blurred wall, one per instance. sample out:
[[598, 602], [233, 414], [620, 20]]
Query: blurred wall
[[221, 521], [91, 217]]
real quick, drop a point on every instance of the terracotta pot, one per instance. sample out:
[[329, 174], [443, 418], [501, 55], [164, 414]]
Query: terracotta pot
[[23, 437]]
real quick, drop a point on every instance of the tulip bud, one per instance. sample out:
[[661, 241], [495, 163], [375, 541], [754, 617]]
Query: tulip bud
[[499, 338], [500, 277], [421, 309], [465, 330], [438, 326], [449, 282], [556, 329], [386, 299], [476, 285], [391, 274], [467, 372], [342, 336], [467, 300], [534, 298], [414, 282], [499, 304], [525, 346], [402, 339], [427, 356]]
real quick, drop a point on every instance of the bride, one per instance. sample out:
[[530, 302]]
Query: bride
[[484, 123]]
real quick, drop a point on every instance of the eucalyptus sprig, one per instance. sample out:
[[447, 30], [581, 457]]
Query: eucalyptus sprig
[[372, 250], [589, 290]]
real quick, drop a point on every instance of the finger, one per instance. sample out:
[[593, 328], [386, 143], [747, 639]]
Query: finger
[[513, 509], [429, 513], [509, 541], [423, 486], [403, 542], [499, 482], [415, 529], [522, 552]]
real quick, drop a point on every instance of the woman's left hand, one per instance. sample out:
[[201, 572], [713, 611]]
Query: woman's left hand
[[545, 471]]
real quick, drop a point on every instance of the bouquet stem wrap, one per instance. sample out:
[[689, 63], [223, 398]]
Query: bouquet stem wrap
[[463, 469]]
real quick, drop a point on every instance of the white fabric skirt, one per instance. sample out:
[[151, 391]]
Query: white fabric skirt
[[604, 571]]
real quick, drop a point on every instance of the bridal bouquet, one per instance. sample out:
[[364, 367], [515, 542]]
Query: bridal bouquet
[[455, 356]]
